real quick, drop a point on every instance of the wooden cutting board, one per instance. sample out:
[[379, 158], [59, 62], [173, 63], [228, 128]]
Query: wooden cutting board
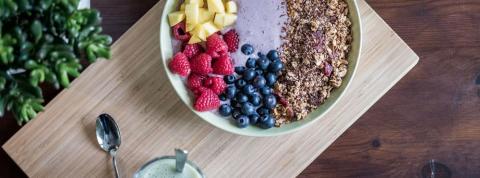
[[132, 87]]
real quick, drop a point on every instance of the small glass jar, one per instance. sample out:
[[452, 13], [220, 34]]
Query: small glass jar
[[164, 167]]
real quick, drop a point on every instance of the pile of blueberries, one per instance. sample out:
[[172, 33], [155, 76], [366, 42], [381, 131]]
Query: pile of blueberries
[[250, 91]]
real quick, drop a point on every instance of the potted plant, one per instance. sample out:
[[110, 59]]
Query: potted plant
[[43, 42]]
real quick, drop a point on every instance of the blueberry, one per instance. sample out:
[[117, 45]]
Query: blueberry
[[259, 71], [255, 99], [259, 81], [234, 103], [263, 111], [266, 91], [225, 110], [247, 49], [249, 74], [253, 118], [240, 83], [240, 69], [266, 121], [269, 101], [271, 79], [241, 98], [248, 89], [229, 79], [250, 62], [272, 55], [230, 91], [263, 63], [243, 121], [248, 108], [236, 114], [223, 97], [261, 55], [275, 66]]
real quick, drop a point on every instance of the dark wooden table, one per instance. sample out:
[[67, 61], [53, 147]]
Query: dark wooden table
[[432, 113]]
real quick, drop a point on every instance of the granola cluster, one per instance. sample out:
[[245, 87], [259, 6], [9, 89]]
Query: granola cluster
[[316, 44]]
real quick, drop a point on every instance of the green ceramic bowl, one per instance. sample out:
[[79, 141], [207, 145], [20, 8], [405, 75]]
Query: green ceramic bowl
[[228, 125]]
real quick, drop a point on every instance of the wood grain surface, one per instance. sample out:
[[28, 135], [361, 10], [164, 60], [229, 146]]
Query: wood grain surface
[[132, 87], [436, 105]]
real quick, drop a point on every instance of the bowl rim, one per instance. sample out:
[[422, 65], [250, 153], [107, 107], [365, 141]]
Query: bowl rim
[[352, 71]]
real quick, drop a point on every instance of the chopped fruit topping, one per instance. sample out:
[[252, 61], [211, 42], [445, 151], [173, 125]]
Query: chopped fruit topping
[[195, 81], [182, 7], [194, 39], [223, 65], [201, 64], [191, 50], [180, 65], [231, 7], [200, 3], [202, 21], [192, 11], [180, 33], [216, 6], [205, 15], [206, 101], [229, 19], [210, 28], [223, 20], [216, 84], [231, 38], [176, 17], [216, 47]]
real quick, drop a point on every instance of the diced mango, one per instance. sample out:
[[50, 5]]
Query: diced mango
[[210, 28], [192, 12], [199, 31], [231, 7], [229, 19], [190, 27], [176, 17], [199, 2], [219, 19], [194, 39], [182, 7], [216, 6], [206, 15]]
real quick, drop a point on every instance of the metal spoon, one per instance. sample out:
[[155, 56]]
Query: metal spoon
[[108, 136], [180, 159]]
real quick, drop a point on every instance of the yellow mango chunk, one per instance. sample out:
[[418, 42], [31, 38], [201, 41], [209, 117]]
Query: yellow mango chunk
[[192, 12], [210, 28], [229, 19], [231, 7], [216, 6], [176, 17], [199, 2], [194, 39], [206, 15], [219, 19]]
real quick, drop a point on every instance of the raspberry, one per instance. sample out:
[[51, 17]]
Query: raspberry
[[201, 64], [216, 84], [180, 65], [191, 50], [195, 81], [231, 38], [180, 32], [223, 65], [216, 47], [206, 101]]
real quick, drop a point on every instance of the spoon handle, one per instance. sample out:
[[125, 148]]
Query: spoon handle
[[181, 159], [114, 160]]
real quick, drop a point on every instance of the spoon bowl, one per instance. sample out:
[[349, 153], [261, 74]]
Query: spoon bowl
[[108, 137]]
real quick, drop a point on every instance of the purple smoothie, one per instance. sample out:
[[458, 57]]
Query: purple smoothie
[[259, 23]]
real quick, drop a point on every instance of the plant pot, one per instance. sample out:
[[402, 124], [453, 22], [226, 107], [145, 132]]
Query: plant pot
[[84, 4]]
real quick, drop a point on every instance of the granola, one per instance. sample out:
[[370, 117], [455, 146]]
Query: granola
[[316, 44]]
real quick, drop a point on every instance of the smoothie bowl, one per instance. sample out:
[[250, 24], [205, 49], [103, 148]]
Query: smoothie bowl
[[260, 68]]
